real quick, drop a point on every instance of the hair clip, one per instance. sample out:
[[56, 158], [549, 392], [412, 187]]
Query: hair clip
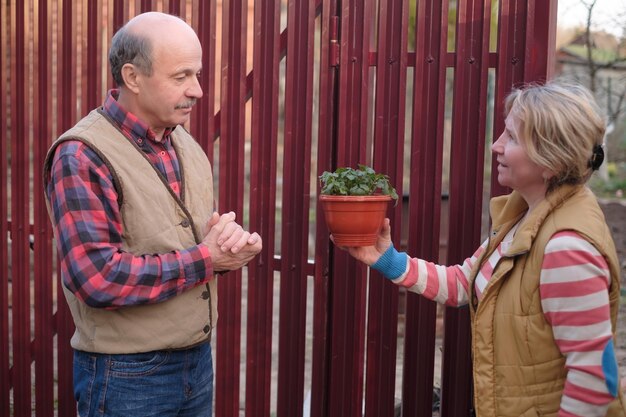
[[597, 157]]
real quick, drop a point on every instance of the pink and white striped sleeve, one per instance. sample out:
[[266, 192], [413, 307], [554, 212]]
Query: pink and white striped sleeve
[[444, 284], [574, 293]]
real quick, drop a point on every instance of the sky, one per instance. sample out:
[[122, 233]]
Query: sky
[[609, 15]]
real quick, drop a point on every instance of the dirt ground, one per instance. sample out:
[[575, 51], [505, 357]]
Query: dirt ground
[[615, 212]]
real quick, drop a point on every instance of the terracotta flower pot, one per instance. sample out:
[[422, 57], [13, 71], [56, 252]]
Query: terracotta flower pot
[[354, 220]]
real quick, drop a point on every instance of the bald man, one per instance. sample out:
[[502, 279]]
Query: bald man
[[130, 197]]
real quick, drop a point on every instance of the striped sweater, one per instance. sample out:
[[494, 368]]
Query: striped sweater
[[574, 294]]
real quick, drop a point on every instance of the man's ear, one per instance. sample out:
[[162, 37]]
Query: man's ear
[[130, 75]]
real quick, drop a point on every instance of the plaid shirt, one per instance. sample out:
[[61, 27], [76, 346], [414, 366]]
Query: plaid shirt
[[88, 225]]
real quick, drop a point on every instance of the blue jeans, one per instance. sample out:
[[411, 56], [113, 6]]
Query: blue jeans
[[161, 383]]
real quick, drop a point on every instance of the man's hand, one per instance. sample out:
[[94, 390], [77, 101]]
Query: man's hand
[[231, 247]]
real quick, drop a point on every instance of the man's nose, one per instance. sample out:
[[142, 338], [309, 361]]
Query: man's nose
[[195, 90]]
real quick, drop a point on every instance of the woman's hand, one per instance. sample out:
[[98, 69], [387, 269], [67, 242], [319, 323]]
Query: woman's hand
[[370, 254]]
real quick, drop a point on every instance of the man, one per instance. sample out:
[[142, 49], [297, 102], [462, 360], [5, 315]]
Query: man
[[130, 196]]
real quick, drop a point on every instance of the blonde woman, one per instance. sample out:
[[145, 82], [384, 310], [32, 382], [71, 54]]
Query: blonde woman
[[543, 289]]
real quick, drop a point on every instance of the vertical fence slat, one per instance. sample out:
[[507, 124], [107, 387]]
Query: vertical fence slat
[[347, 283], [174, 6], [145, 6], [510, 69], [540, 40], [92, 91], [5, 381], [265, 91], [353, 82], [388, 139], [182, 13], [429, 89], [119, 17], [347, 330], [466, 173], [231, 180], [44, 358], [66, 111], [203, 118], [328, 72], [295, 206], [20, 225]]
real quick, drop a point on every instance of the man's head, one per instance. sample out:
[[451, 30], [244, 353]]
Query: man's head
[[155, 60], [129, 47]]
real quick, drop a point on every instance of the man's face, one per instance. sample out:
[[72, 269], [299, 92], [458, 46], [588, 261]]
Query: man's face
[[166, 97]]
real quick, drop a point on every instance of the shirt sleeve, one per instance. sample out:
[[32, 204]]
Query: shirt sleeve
[[574, 289], [447, 285], [88, 230]]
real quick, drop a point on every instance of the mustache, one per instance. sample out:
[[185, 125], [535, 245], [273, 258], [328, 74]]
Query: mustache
[[186, 105]]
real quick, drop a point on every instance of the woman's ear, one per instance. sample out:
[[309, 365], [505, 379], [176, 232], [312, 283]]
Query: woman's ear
[[547, 175], [130, 75]]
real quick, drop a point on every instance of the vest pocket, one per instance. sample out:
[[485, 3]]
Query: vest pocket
[[530, 413]]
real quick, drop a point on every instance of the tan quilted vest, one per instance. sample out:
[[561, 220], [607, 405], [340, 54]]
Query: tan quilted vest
[[155, 220], [518, 369]]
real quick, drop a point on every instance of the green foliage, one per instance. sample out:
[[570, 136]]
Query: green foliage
[[612, 187], [361, 181], [599, 56], [452, 25], [609, 189]]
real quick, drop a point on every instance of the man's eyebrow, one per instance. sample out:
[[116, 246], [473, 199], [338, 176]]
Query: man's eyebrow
[[187, 71]]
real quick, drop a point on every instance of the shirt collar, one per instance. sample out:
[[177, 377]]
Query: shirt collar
[[130, 124]]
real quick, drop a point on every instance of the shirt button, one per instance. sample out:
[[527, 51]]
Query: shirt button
[[205, 295], [206, 329], [185, 223], [162, 153], [140, 141]]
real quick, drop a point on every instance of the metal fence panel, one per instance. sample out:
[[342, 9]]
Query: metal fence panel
[[291, 89], [5, 366], [263, 158]]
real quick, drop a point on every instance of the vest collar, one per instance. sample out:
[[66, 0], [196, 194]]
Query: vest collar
[[507, 211]]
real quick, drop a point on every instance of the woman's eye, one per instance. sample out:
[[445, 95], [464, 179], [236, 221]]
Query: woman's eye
[[512, 138]]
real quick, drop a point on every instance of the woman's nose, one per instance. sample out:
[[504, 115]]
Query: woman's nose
[[496, 147]]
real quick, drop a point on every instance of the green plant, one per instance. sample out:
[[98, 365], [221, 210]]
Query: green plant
[[361, 182]]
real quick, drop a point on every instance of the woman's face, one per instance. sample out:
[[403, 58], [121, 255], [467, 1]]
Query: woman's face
[[515, 169]]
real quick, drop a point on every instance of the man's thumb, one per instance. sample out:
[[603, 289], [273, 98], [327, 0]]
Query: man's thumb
[[213, 220]]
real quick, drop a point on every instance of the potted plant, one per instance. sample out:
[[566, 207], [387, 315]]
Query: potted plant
[[355, 202]]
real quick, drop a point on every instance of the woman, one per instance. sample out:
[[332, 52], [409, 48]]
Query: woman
[[543, 289]]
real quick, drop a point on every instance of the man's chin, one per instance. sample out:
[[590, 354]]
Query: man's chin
[[182, 120]]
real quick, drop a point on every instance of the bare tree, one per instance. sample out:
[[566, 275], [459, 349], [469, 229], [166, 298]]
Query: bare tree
[[598, 60], [614, 90]]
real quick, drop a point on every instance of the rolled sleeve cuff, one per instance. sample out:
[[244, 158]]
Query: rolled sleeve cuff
[[392, 264], [197, 266]]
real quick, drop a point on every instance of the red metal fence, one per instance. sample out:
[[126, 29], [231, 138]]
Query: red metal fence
[[292, 88]]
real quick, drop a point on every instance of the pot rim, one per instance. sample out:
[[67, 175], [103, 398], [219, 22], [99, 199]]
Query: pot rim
[[378, 197]]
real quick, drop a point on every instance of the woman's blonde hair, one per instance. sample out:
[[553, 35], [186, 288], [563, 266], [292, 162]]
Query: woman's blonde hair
[[561, 128]]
